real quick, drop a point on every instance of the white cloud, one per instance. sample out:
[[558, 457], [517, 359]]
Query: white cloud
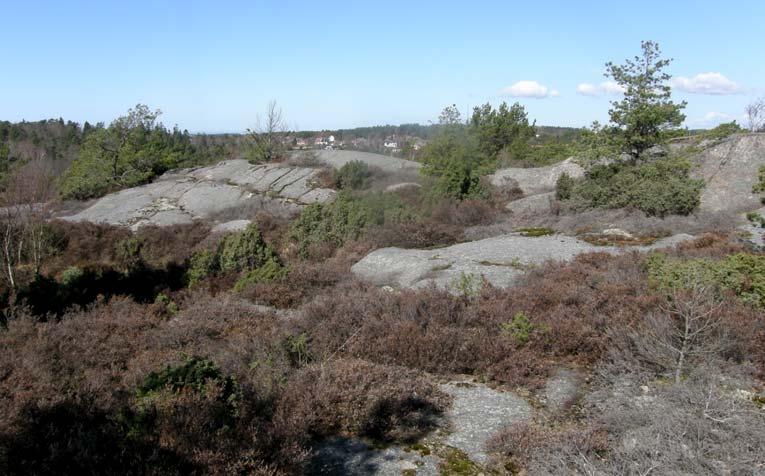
[[716, 116], [706, 83], [606, 87], [587, 89], [529, 89], [610, 87]]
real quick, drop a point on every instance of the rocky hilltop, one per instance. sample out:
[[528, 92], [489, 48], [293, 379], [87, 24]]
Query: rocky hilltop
[[202, 193]]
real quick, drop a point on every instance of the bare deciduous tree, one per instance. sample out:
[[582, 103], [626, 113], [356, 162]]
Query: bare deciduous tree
[[755, 113], [24, 202], [268, 134]]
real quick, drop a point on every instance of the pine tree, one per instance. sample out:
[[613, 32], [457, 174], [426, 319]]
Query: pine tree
[[647, 111]]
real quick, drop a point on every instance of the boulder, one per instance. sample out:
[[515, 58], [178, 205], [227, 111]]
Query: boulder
[[539, 204], [538, 179]]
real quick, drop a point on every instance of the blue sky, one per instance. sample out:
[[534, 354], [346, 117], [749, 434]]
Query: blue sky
[[213, 66]]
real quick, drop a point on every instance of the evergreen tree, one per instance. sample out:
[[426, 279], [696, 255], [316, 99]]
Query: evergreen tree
[[647, 111]]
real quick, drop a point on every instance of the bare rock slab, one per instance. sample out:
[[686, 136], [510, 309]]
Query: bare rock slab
[[350, 456], [729, 170], [202, 193], [539, 204], [562, 390], [477, 413], [338, 158], [536, 180], [501, 260]]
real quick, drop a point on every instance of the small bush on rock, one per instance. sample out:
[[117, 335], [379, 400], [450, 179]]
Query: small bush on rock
[[345, 219], [244, 251], [352, 176], [662, 187], [564, 186]]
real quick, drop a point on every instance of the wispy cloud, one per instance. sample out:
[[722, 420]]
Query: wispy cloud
[[529, 89], [707, 83], [716, 116]]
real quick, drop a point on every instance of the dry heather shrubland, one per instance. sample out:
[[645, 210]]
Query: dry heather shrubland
[[69, 384], [203, 381]]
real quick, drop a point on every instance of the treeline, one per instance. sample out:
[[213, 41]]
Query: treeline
[[428, 131], [131, 151], [92, 160], [53, 140]]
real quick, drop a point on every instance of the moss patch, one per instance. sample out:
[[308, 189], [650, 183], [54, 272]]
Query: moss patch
[[535, 231], [457, 463], [617, 240]]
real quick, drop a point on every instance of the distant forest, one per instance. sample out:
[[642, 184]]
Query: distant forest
[[58, 141]]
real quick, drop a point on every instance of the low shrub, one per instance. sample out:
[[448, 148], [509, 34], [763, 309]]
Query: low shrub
[[244, 251], [194, 374], [345, 219], [661, 187], [353, 175], [519, 328], [742, 274], [564, 187], [353, 397], [756, 219], [269, 272], [201, 265], [464, 213], [305, 279], [414, 234], [724, 130], [521, 445], [759, 186]]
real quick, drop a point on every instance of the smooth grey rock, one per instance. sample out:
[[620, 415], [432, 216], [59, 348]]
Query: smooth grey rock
[[618, 232], [561, 390], [401, 186], [655, 152], [338, 158], [753, 231], [536, 180], [729, 170], [208, 198], [539, 204], [501, 260], [233, 187], [477, 413], [350, 456], [230, 226]]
